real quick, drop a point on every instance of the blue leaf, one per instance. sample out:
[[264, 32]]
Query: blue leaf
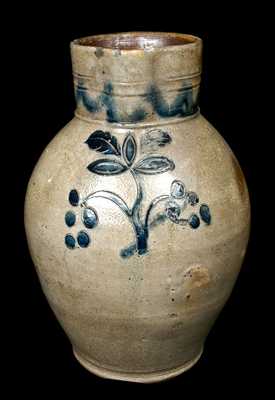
[[129, 149], [205, 214], [154, 165], [106, 167], [153, 139], [103, 142]]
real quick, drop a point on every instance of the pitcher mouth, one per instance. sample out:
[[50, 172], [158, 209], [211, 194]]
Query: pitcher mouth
[[137, 40], [133, 77]]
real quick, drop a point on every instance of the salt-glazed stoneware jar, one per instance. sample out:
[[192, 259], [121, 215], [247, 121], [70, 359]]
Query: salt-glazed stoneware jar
[[137, 213]]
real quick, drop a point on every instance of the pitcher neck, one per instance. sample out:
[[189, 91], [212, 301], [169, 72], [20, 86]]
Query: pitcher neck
[[136, 77]]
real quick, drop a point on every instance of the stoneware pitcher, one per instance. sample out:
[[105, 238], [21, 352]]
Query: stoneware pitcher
[[137, 213]]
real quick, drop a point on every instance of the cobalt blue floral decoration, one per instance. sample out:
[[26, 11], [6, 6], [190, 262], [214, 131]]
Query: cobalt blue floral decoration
[[122, 160], [137, 213]]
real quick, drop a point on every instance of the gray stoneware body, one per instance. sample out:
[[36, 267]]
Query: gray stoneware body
[[137, 213]]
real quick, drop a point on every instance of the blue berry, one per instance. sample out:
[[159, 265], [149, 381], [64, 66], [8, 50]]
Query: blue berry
[[74, 197], [205, 213], [194, 221], [70, 218], [70, 241], [89, 218], [83, 239]]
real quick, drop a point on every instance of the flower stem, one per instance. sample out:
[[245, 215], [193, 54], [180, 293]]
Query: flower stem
[[152, 205], [140, 229], [105, 194]]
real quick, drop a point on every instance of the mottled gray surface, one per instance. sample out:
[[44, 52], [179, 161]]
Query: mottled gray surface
[[144, 318]]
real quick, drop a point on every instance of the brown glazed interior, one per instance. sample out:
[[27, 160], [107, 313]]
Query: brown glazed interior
[[136, 40]]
